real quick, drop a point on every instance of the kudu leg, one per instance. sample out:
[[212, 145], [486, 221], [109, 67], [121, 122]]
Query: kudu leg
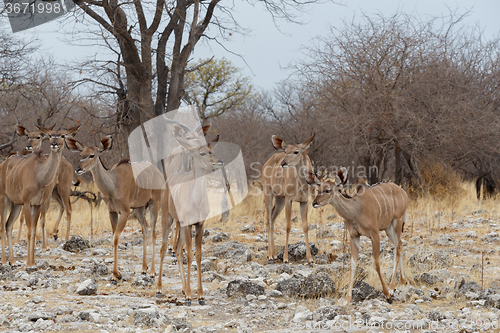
[[32, 215], [305, 227], [166, 223], [57, 197], [172, 242], [376, 257], [22, 221], [279, 204], [43, 218], [122, 221], [354, 245], [153, 217], [9, 224], [178, 255], [198, 242], [113, 218], [139, 212], [288, 215], [189, 255], [3, 217]]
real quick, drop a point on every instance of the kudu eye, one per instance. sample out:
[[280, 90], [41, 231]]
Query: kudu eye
[[91, 156], [328, 191], [202, 154], [296, 152]]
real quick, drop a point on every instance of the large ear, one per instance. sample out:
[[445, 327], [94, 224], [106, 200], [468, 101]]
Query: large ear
[[279, 143], [44, 130], [341, 177], [71, 131], [308, 142], [177, 131], [106, 144], [311, 178], [202, 130], [21, 130], [213, 143], [73, 145]]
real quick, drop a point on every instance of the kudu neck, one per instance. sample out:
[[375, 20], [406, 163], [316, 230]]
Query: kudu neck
[[346, 207], [47, 170], [104, 178]]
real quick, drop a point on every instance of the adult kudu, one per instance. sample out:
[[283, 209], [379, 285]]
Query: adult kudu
[[185, 202], [62, 189], [371, 210], [27, 181], [120, 192], [283, 178]]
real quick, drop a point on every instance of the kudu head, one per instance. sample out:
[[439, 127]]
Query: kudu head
[[35, 139], [56, 138], [187, 137], [89, 156], [293, 153], [203, 158], [326, 188]]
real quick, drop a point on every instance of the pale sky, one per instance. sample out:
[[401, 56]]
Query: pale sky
[[266, 51]]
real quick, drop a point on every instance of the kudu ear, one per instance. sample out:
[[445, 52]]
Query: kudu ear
[[341, 177], [44, 130], [279, 143], [73, 145], [213, 143], [312, 179], [71, 131], [21, 130], [202, 130], [308, 142], [106, 144]]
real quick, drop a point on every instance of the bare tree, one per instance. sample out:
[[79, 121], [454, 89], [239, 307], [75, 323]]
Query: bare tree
[[155, 40]]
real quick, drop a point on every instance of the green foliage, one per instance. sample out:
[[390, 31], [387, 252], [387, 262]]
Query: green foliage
[[216, 86]]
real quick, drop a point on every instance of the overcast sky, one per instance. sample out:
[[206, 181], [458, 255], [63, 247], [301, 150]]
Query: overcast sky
[[266, 51]]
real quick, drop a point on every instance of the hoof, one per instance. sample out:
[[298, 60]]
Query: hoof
[[389, 300], [311, 264], [188, 302], [158, 295], [271, 261], [143, 273], [114, 282], [201, 301]]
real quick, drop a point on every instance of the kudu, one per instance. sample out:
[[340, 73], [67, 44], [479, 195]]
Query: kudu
[[283, 177], [61, 192], [121, 193], [27, 182], [381, 207], [190, 188]]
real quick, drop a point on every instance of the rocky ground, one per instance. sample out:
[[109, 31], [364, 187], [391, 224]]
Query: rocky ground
[[453, 273]]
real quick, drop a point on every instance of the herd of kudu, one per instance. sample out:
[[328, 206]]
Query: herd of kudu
[[27, 182]]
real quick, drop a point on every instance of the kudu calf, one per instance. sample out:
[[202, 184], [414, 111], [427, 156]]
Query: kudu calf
[[62, 190], [283, 177], [371, 210], [120, 192], [185, 202], [27, 181]]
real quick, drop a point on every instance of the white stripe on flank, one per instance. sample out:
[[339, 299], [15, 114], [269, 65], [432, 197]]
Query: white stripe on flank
[[380, 207], [383, 198]]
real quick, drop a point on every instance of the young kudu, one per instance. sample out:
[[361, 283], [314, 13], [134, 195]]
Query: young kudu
[[189, 188], [371, 210], [121, 192], [283, 177], [27, 182], [62, 190]]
